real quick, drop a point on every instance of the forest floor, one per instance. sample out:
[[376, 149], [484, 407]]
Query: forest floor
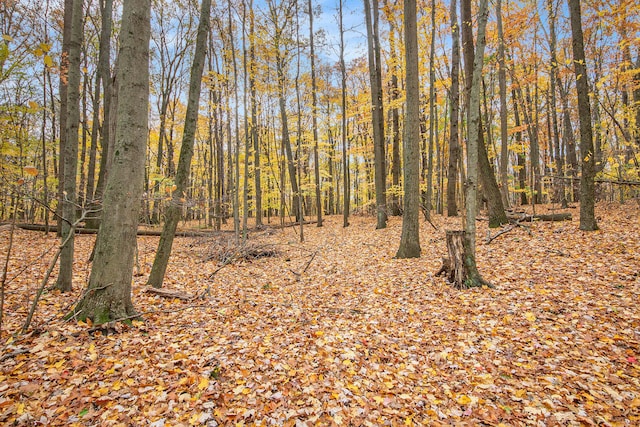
[[335, 331]]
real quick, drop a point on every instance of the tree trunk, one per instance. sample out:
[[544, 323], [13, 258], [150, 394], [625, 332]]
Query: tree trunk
[[522, 174], [377, 114], [490, 188], [108, 295], [174, 210], [70, 155], [454, 136], [473, 277], [559, 195], [254, 118], [343, 108], [587, 186], [410, 238], [314, 117], [504, 124], [432, 113]]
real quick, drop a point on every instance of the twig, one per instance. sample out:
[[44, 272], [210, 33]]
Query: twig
[[13, 354], [5, 269], [490, 239]]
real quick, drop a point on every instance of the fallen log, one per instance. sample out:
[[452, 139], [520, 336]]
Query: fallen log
[[166, 293], [565, 216], [141, 232]]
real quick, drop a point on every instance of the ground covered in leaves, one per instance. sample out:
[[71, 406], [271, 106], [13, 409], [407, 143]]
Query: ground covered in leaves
[[335, 331]]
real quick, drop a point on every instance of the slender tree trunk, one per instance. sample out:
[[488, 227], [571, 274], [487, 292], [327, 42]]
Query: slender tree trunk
[[377, 114], [108, 295], [254, 117], [65, 275], [474, 131], [587, 186], [522, 174], [314, 117], [553, 81], [343, 108], [63, 90], [410, 237], [174, 210], [504, 124], [432, 113], [454, 136], [497, 215]]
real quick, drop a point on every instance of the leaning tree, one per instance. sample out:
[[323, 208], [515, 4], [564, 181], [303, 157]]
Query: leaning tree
[[108, 294]]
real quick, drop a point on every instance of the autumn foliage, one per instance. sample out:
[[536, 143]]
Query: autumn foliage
[[335, 331]]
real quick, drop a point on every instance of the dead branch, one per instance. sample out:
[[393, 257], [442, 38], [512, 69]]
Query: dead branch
[[167, 293]]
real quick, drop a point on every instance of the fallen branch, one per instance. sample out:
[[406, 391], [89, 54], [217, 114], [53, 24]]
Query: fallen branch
[[141, 232], [166, 293], [566, 216], [490, 238], [13, 354]]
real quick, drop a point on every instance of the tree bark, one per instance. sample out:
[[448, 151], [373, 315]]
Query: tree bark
[[70, 155], [314, 117], [454, 135], [504, 124], [343, 107], [473, 277], [587, 186], [377, 114], [410, 238], [497, 214], [108, 295], [174, 211]]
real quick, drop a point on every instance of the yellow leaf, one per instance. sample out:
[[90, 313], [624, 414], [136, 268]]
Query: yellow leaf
[[203, 383], [48, 61], [464, 399], [117, 385], [45, 47], [7, 37], [20, 409], [31, 170], [530, 316]]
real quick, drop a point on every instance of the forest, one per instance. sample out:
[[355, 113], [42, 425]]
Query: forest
[[345, 212]]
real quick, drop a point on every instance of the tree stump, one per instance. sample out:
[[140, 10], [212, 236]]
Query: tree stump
[[460, 273], [453, 267]]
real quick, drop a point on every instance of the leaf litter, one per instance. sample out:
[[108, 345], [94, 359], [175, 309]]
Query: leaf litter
[[335, 331]]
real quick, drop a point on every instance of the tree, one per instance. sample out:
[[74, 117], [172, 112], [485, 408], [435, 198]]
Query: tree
[[454, 135], [410, 238], [497, 215], [108, 294], [314, 115], [70, 153], [343, 120], [377, 114], [504, 124], [174, 211], [473, 276], [587, 186]]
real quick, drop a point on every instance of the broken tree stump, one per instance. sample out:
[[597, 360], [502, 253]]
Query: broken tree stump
[[453, 267], [457, 271]]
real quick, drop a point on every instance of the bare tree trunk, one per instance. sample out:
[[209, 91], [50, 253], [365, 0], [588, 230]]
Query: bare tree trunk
[[345, 159], [65, 275], [587, 186], [108, 295], [504, 124], [377, 114], [174, 210], [410, 238], [497, 215], [314, 116], [473, 277], [454, 136], [254, 117], [553, 81]]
